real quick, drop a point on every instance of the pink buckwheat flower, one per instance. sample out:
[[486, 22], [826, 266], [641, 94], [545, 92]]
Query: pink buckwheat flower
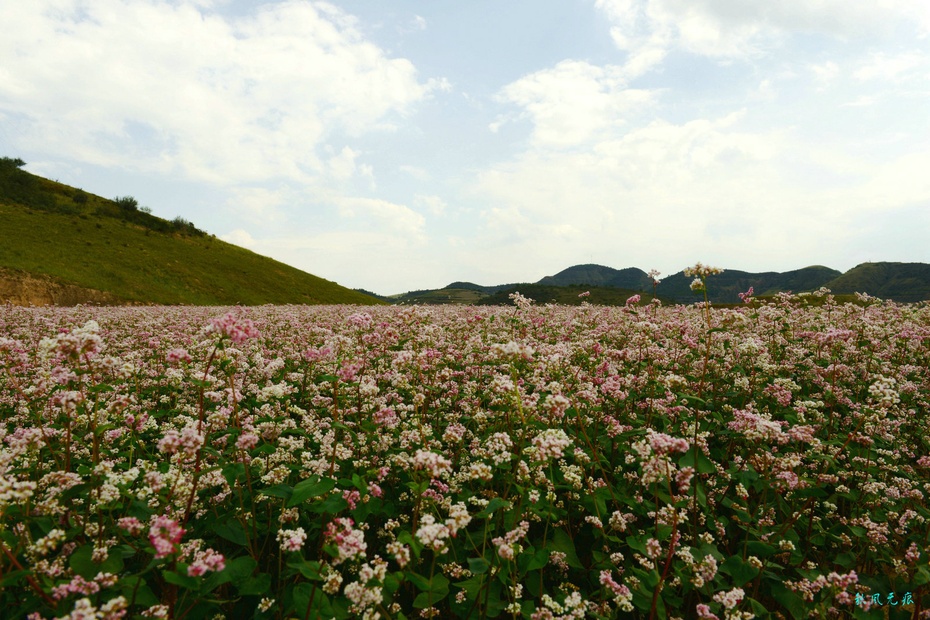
[[507, 546], [435, 464], [730, 599], [165, 533], [349, 542], [432, 534], [176, 356], [621, 593], [231, 326], [352, 497], [292, 540], [247, 441], [206, 561], [551, 443], [131, 525]]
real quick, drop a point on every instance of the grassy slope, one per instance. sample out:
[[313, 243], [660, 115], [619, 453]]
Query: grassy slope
[[140, 265]]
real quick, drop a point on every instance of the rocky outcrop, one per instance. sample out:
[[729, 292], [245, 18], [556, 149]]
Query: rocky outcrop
[[25, 289]]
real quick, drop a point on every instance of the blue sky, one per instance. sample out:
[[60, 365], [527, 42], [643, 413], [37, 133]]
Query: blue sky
[[404, 145]]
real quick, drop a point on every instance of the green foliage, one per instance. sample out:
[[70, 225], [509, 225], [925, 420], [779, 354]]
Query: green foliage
[[127, 203], [18, 186]]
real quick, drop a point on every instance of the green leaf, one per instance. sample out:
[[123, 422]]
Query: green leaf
[[283, 491], [760, 549], [472, 585], [791, 601], [259, 584], [533, 559], [846, 559], [427, 599], [438, 585], [811, 491], [478, 566], [562, 542], [687, 397], [922, 576], [758, 608], [303, 593], [310, 570], [82, 562], [232, 531], [704, 464], [493, 505], [741, 571], [421, 582], [12, 577], [240, 569], [232, 472], [438, 589], [312, 487], [134, 587], [189, 583]]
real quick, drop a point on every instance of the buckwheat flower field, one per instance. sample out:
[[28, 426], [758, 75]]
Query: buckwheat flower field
[[539, 462]]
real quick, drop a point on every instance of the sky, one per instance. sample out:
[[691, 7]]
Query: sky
[[401, 145]]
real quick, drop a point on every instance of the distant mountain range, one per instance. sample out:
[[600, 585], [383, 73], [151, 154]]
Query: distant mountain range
[[904, 282]]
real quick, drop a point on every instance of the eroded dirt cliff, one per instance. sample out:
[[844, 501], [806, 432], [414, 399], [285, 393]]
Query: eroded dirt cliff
[[24, 289]]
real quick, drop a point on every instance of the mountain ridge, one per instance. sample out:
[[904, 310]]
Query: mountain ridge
[[903, 282]]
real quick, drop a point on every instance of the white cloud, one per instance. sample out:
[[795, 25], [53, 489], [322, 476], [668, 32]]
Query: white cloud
[[893, 67], [239, 237], [730, 28], [574, 100], [259, 205], [377, 260], [376, 213], [434, 204], [666, 194], [825, 73], [162, 86], [418, 173]]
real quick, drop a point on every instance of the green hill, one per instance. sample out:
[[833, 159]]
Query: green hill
[[598, 275], [58, 238], [904, 282]]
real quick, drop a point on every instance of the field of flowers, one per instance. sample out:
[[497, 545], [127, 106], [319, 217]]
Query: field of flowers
[[543, 462]]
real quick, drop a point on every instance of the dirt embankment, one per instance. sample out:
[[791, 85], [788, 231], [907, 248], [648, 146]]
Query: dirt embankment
[[24, 289]]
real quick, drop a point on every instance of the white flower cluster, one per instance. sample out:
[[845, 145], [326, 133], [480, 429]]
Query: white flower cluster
[[551, 443], [883, 391]]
